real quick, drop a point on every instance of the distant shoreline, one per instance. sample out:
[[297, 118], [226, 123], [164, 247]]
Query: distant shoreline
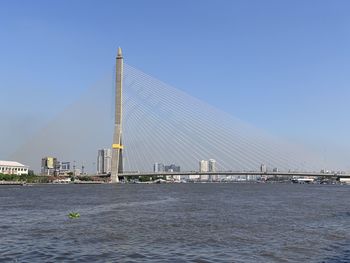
[[16, 183]]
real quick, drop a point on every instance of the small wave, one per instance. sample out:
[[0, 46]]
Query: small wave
[[342, 253]]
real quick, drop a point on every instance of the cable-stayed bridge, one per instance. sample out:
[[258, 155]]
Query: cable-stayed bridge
[[161, 124]]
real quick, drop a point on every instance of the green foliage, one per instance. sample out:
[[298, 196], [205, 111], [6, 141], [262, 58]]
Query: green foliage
[[73, 215], [144, 178], [30, 178], [131, 178], [151, 178], [11, 177], [84, 178]]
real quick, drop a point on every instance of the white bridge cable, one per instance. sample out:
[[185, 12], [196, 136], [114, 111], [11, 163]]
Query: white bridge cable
[[182, 127], [154, 149], [170, 103], [199, 133], [183, 137], [215, 135], [151, 149], [154, 136], [137, 129], [147, 146], [236, 138], [132, 147], [218, 132]]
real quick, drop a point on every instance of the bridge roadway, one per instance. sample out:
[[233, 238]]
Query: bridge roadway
[[288, 174]]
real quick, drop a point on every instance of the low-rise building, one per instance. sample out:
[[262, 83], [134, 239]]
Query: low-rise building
[[345, 180], [64, 167], [172, 168], [10, 167]]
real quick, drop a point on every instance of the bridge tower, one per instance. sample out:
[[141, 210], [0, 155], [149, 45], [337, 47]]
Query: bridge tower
[[117, 146]]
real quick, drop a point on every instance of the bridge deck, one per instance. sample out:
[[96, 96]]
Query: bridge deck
[[287, 174]]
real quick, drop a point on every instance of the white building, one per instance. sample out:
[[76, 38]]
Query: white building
[[203, 167], [263, 168], [9, 167], [344, 180], [104, 161]]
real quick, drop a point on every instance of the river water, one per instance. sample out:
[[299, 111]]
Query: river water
[[175, 223]]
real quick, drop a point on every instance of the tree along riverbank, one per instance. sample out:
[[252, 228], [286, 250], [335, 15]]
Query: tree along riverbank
[[40, 179], [25, 178]]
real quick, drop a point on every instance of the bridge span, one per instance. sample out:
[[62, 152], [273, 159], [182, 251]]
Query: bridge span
[[228, 173]]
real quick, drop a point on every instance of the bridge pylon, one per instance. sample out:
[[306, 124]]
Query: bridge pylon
[[117, 146]]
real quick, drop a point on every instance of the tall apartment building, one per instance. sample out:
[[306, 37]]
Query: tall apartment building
[[203, 167], [158, 167], [104, 161], [49, 166], [212, 168], [212, 165]]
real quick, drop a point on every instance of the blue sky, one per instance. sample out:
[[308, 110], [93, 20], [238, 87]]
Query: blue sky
[[282, 66]]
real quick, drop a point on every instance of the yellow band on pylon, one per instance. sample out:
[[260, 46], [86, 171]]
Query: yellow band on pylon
[[117, 146]]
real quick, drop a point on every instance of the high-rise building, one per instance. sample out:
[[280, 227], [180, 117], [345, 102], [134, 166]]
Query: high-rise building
[[99, 168], [104, 161], [203, 167], [158, 167], [49, 166], [212, 165], [263, 168], [107, 161], [212, 168]]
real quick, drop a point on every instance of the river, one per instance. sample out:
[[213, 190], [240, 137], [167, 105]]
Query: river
[[233, 222]]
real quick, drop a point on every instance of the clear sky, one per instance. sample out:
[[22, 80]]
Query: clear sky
[[282, 66]]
